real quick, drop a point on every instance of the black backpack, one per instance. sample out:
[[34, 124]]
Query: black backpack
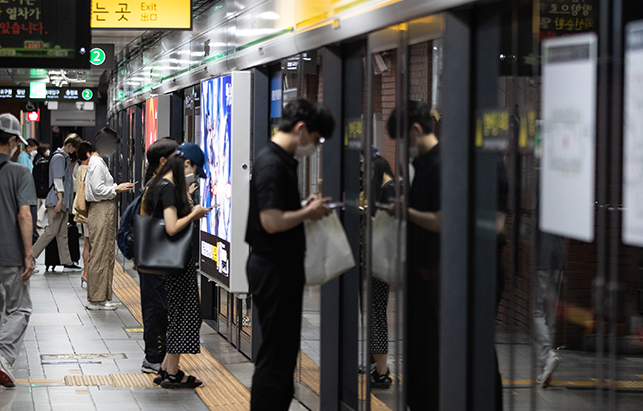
[[41, 177]]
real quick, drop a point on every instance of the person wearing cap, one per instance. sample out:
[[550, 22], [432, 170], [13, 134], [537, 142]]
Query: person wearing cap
[[27, 155], [166, 197], [17, 195], [59, 202], [100, 193]]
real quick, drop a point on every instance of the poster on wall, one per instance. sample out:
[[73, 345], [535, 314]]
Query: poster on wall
[[633, 136], [151, 121], [569, 137]]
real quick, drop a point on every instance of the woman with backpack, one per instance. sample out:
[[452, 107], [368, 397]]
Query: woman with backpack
[[166, 198], [100, 193]]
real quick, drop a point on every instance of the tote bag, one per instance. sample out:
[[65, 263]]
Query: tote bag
[[155, 252], [386, 247], [328, 253]]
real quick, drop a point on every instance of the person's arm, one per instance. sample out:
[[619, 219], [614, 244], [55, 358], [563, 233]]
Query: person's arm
[[174, 224], [26, 231], [276, 221], [428, 220]]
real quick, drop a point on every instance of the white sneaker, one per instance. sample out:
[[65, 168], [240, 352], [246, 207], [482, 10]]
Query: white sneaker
[[6, 377], [103, 305], [551, 366]]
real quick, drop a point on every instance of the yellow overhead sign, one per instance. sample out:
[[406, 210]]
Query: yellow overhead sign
[[154, 14]]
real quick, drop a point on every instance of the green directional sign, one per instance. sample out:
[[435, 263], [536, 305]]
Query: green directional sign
[[88, 94], [97, 56]]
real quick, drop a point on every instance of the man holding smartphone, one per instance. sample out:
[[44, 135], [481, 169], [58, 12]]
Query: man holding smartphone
[[275, 232]]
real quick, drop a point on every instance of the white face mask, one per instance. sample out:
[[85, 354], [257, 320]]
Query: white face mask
[[33, 154], [305, 151], [47, 153], [13, 151], [414, 152]]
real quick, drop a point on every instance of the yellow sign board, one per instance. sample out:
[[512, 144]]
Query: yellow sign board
[[152, 14]]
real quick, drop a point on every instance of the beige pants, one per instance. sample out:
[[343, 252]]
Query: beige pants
[[57, 229], [102, 229]]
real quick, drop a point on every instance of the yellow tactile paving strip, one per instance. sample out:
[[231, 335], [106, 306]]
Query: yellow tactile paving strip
[[117, 380]]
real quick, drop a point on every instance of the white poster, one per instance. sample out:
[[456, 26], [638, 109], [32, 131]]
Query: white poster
[[569, 137], [633, 137]]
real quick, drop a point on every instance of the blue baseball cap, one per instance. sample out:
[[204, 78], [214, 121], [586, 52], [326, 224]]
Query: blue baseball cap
[[192, 152]]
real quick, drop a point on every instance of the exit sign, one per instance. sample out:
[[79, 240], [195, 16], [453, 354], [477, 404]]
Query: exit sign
[[142, 15]]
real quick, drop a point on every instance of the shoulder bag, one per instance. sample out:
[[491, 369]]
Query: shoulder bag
[[155, 252]]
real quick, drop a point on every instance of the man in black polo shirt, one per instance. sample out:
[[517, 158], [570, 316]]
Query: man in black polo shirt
[[423, 259], [275, 232]]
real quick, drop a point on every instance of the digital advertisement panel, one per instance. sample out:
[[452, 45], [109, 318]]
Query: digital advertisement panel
[[216, 187], [151, 121]]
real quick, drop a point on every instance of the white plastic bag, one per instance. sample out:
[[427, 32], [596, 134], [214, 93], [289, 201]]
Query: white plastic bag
[[386, 247], [328, 253]]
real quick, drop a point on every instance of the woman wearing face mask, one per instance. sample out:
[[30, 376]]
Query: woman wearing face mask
[[166, 198], [100, 193]]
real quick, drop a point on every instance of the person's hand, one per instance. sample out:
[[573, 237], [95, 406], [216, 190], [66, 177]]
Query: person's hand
[[192, 188], [59, 206], [30, 266], [198, 212], [124, 187], [394, 205], [317, 209]]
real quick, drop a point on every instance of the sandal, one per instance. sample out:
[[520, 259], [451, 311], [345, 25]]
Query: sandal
[[176, 381], [161, 376], [381, 381]]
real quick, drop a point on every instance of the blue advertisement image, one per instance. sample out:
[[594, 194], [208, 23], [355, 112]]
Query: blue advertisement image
[[216, 188]]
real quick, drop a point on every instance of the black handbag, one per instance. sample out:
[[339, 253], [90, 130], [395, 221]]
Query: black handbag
[[155, 252]]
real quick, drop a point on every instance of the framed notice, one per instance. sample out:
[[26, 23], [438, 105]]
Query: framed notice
[[567, 177], [45, 33], [633, 136]]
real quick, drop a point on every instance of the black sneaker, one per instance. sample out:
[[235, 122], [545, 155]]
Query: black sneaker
[[382, 381], [71, 267]]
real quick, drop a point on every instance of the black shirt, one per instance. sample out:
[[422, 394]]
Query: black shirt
[[165, 196], [424, 245], [274, 185]]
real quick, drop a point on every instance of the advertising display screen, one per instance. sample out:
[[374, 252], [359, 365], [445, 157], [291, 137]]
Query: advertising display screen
[[216, 188], [151, 121]]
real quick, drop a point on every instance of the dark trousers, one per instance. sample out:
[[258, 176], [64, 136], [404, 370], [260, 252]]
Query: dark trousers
[[154, 307], [34, 221], [277, 285], [423, 341]]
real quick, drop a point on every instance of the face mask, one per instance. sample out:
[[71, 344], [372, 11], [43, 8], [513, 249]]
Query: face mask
[[13, 151], [47, 153], [190, 178], [33, 154], [414, 152], [305, 151]]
